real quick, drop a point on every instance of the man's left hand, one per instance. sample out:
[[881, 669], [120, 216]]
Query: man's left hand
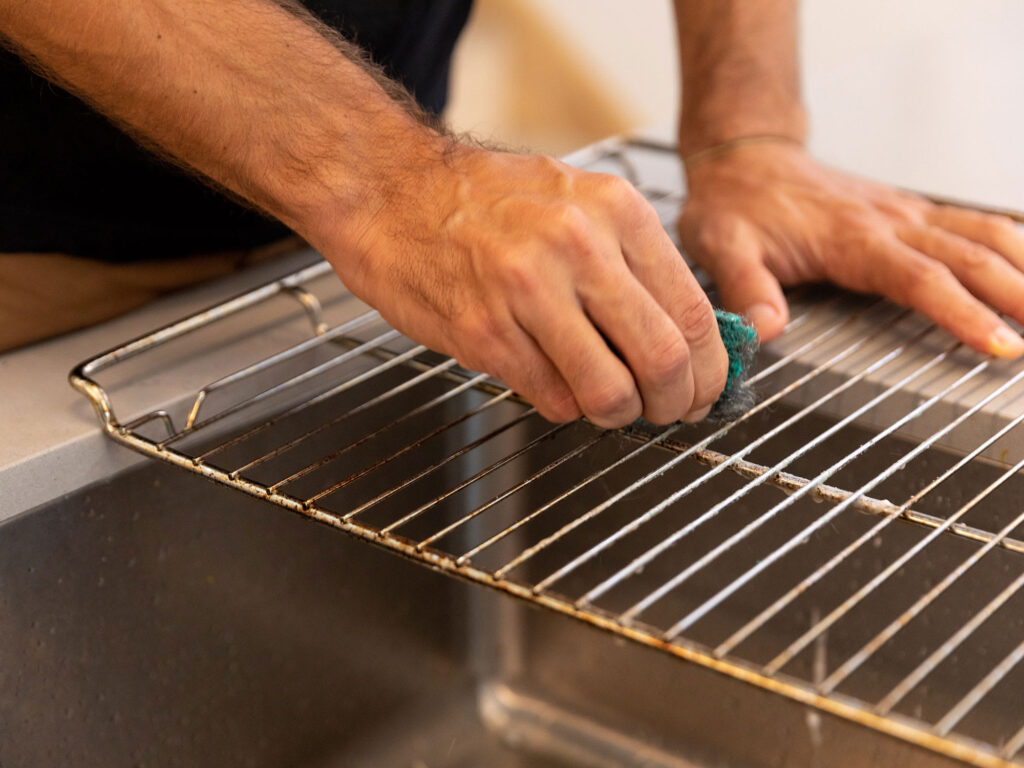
[[768, 214]]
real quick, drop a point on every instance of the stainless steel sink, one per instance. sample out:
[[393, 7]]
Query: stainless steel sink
[[158, 619]]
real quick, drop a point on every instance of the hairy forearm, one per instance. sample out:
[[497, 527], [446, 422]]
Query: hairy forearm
[[252, 94], [740, 71]]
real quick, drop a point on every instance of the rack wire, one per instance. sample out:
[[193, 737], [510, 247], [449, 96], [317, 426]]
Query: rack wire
[[849, 542]]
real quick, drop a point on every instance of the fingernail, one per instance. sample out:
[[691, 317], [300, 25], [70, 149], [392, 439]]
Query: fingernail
[[1005, 343], [763, 316]]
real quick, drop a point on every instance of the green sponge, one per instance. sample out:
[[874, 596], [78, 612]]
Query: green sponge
[[740, 341]]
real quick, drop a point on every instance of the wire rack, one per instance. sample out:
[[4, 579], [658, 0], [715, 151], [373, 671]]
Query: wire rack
[[850, 542]]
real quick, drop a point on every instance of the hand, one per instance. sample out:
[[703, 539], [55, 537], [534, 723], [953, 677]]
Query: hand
[[558, 281], [767, 214]]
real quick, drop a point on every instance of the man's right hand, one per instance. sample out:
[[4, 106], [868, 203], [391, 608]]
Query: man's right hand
[[558, 281], [518, 266]]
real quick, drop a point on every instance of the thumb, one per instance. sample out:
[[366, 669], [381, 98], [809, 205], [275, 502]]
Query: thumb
[[731, 251]]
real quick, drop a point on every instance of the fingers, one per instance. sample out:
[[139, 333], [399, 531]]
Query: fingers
[[601, 384], [650, 342], [501, 347], [613, 345], [731, 252], [892, 268], [634, 288], [527, 370], [997, 233], [981, 270], [684, 339]]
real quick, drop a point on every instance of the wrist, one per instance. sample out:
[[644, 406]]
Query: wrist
[[706, 155], [383, 215], [360, 197], [719, 106], [701, 132]]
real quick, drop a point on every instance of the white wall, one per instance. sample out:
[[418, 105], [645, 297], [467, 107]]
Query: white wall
[[924, 93], [628, 46]]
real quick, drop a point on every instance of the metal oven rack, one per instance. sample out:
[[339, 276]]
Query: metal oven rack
[[851, 542]]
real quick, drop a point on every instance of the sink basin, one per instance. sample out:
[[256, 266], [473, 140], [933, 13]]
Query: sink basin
[[158, 619]]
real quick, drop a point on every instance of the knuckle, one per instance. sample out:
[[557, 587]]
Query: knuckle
[[926, 277], [477, 332], [976, 257], [551, 165], [560, 408], [614, 403], [519, 275], [622, 196], [908, 209], [929, 273], [573, 228], [698, 320], [901, 209], [612, 187], [714, 239], [668, 360], [709, 239]]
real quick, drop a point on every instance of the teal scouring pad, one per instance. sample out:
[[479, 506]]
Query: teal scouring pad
[[740, 341]]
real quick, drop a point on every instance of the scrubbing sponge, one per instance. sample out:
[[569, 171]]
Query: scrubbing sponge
[[740, 341]]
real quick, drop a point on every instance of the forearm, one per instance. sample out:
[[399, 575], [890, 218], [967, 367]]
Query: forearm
[[740, 71], [249, 93], [515, 265]]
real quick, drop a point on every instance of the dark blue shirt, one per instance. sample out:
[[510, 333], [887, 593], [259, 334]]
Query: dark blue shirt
[[72, 182]]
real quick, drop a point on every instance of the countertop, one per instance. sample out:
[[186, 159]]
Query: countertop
[[51, 439]]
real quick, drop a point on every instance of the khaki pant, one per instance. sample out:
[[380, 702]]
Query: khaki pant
[[46, 294]]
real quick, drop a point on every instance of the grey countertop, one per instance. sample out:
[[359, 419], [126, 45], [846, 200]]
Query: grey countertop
[[51, 440]]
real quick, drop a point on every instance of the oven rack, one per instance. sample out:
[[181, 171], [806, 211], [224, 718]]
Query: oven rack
[[702, 541]]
